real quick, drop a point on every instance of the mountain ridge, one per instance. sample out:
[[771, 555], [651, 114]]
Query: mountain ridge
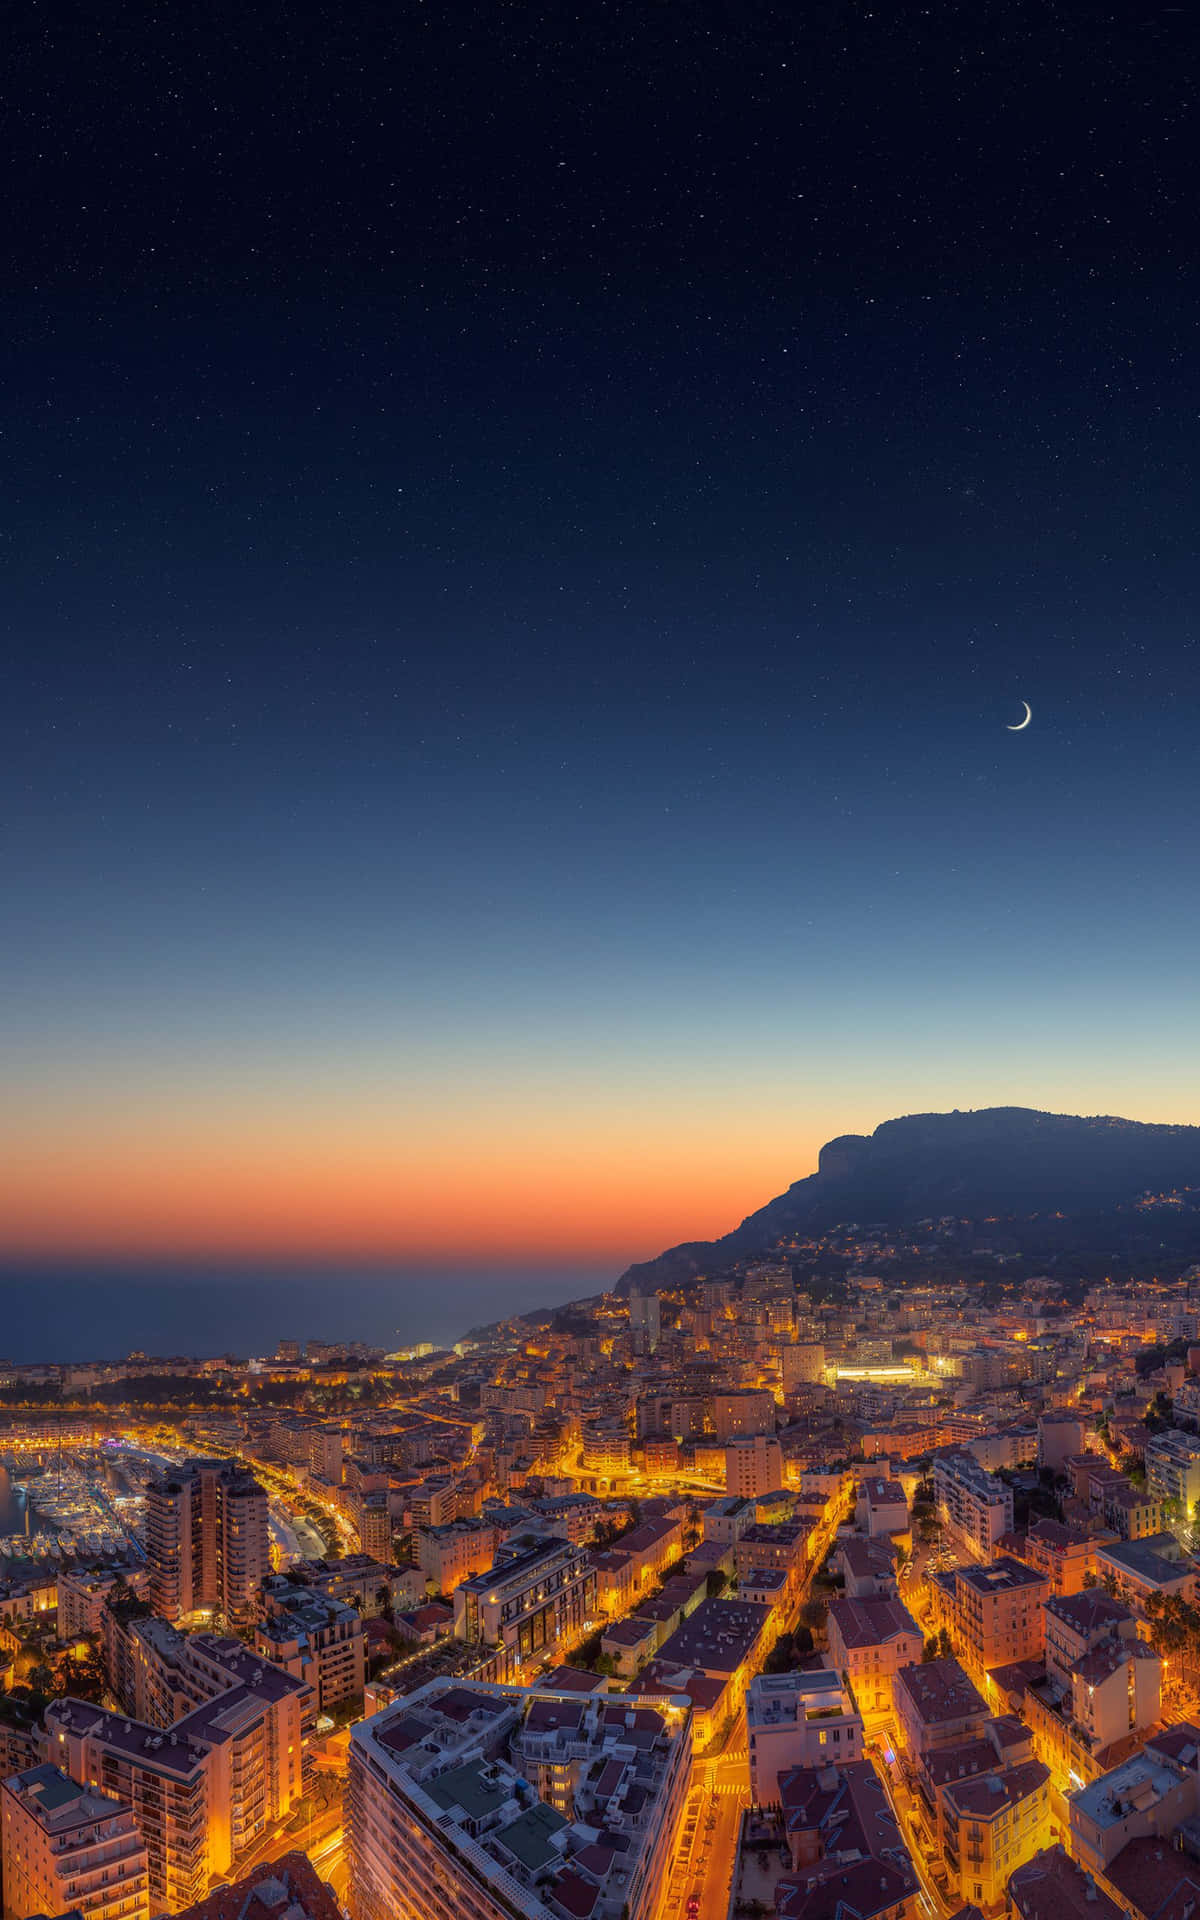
[[974, 1163]]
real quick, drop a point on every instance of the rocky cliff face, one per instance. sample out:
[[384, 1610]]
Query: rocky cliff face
[[998, 1161]]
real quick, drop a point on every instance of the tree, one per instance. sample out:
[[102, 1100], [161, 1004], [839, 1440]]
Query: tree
[[813, 1613], [692, 1524]]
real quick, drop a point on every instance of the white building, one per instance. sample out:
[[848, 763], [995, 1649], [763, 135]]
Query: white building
[[798, 1720], [469, 1802], [973, 1504], [1173, 1468]]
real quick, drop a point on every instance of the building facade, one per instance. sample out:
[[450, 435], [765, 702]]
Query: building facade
[[207, 1542], [68, 1848], [490, 1803]]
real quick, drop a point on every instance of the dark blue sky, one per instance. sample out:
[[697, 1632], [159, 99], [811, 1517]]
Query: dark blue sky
[[522, 540]]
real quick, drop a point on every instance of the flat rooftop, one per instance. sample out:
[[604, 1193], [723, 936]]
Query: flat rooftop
[[1001, 1576], [1138, 1783]]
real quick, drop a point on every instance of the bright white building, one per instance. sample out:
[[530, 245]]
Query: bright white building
[[798, 1720]]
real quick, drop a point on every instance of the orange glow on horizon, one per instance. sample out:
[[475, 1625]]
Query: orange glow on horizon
[[530, 1197], [262, 1159]]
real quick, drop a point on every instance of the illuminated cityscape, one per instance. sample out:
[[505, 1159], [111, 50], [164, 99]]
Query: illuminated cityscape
[[599, 1139], [921, 1600]]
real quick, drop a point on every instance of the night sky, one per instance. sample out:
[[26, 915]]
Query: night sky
[[524, 531]]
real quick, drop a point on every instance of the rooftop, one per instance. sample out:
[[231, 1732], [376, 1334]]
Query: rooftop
[[883, 1493], [848, 1806], [1156, 1879], [1138, 1783], [986, 1797], [777, 1699], [1088, 1612], [463, 1754], [718, 1636], [56, 1802], [1098, 1663], [869, 1623], [1050, 1886], [1157, 1560], [1002, 1576], [940, 1691], [286, 1889]]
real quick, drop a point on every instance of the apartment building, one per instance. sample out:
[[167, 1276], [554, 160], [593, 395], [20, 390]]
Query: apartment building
[[326, 1450], [749, 1411], [798, 1720], [881, 1508], [973, 1505], [1059, 1436], [489, 1803], [1173, 1469], [606, 1447], [1116, 1691], [207, 1542], [317, 1640], [847, 1854], [725, 1521], [1004, 1742], [801, 1364], [709, 1659], [83, 1596], [371, 1512], [753, 1466], [993, 1824], [1077, 1622], [449, 1555], [1132, 1513], [538, 1595], [1064, 1555], [782, 1544], [1138, 1569], [207, 1786], [70, 1849], [369, 1585], [1148, 1795], [993, 1613], [871, 1641], [166, 1784], [867, 1567], [938, 1706]]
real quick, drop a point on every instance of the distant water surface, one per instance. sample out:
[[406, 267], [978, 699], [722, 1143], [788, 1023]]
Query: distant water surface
[[102, 1312]]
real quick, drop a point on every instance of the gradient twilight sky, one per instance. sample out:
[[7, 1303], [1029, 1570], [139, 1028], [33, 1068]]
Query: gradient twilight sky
[[523, 538]]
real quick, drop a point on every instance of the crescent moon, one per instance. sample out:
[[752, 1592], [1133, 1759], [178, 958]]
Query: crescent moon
[[1022, 724]]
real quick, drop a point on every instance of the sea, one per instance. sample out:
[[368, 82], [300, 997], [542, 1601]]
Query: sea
[[98, 1311]]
